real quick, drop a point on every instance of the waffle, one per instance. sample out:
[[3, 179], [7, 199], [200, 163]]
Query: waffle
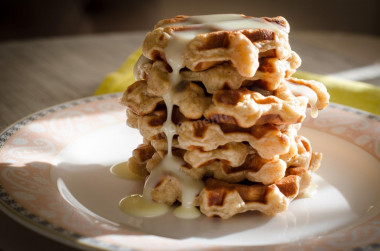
[[249, 107], [253, 167], [191, 100], [224, 199], [243, 107], [235, 113], [236, 162], [268, 140], [232, 154], [268, 76], [315, 91], [138, 99], [211, 45], [140, 156]]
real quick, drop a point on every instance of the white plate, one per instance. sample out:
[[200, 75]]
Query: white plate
[[55, 179]]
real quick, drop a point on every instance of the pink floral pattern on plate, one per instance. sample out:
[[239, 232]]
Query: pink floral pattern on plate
[[26, 191]]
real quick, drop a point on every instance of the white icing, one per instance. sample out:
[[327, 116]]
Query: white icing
[[169, 128], [244, 24], [213, 18], [303, 90], [172, 164]]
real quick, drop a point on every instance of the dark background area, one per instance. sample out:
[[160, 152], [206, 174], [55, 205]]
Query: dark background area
[[20, 19]]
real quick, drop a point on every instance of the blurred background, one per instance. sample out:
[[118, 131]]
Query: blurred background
[[20, 19]]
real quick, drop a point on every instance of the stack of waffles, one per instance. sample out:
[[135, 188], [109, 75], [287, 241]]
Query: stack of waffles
[[235, 111]]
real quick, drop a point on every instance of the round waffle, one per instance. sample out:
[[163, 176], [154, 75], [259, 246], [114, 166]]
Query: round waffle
[[253, 167], [268, 76], [224, 200], [209, 43], [268, 140], [190, 98], [232, 154]]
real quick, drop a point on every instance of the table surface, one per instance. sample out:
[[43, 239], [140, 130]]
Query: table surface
[[35, 74]]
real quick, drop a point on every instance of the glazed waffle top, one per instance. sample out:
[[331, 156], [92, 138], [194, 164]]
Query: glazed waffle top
[[246, 106]]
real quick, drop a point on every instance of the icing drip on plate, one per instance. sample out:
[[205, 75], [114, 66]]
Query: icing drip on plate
[[228, 22]]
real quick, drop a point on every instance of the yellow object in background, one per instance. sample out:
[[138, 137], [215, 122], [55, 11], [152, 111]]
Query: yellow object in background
[[346, 92], [119, 80]]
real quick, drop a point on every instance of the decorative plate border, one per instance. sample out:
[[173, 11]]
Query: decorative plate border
[[334, 125], [362, 130], [16, 211]]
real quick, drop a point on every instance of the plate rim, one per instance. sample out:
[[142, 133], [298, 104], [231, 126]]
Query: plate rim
[[20, 214], [17, 212]]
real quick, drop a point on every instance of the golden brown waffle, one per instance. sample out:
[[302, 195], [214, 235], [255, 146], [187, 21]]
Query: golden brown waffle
[[235, 162], [268, 140], [301, 155], [286, 105], [225, 200], [232, 154], [140, 156], [318, 89], [211, 45], [269, 74], [190, 99], [250, 107], [306, 184], [138, 100], [244, 107], [253, 167], [276, 190]]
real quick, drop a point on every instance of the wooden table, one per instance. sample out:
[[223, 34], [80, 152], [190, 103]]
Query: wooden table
[[35, 74]]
